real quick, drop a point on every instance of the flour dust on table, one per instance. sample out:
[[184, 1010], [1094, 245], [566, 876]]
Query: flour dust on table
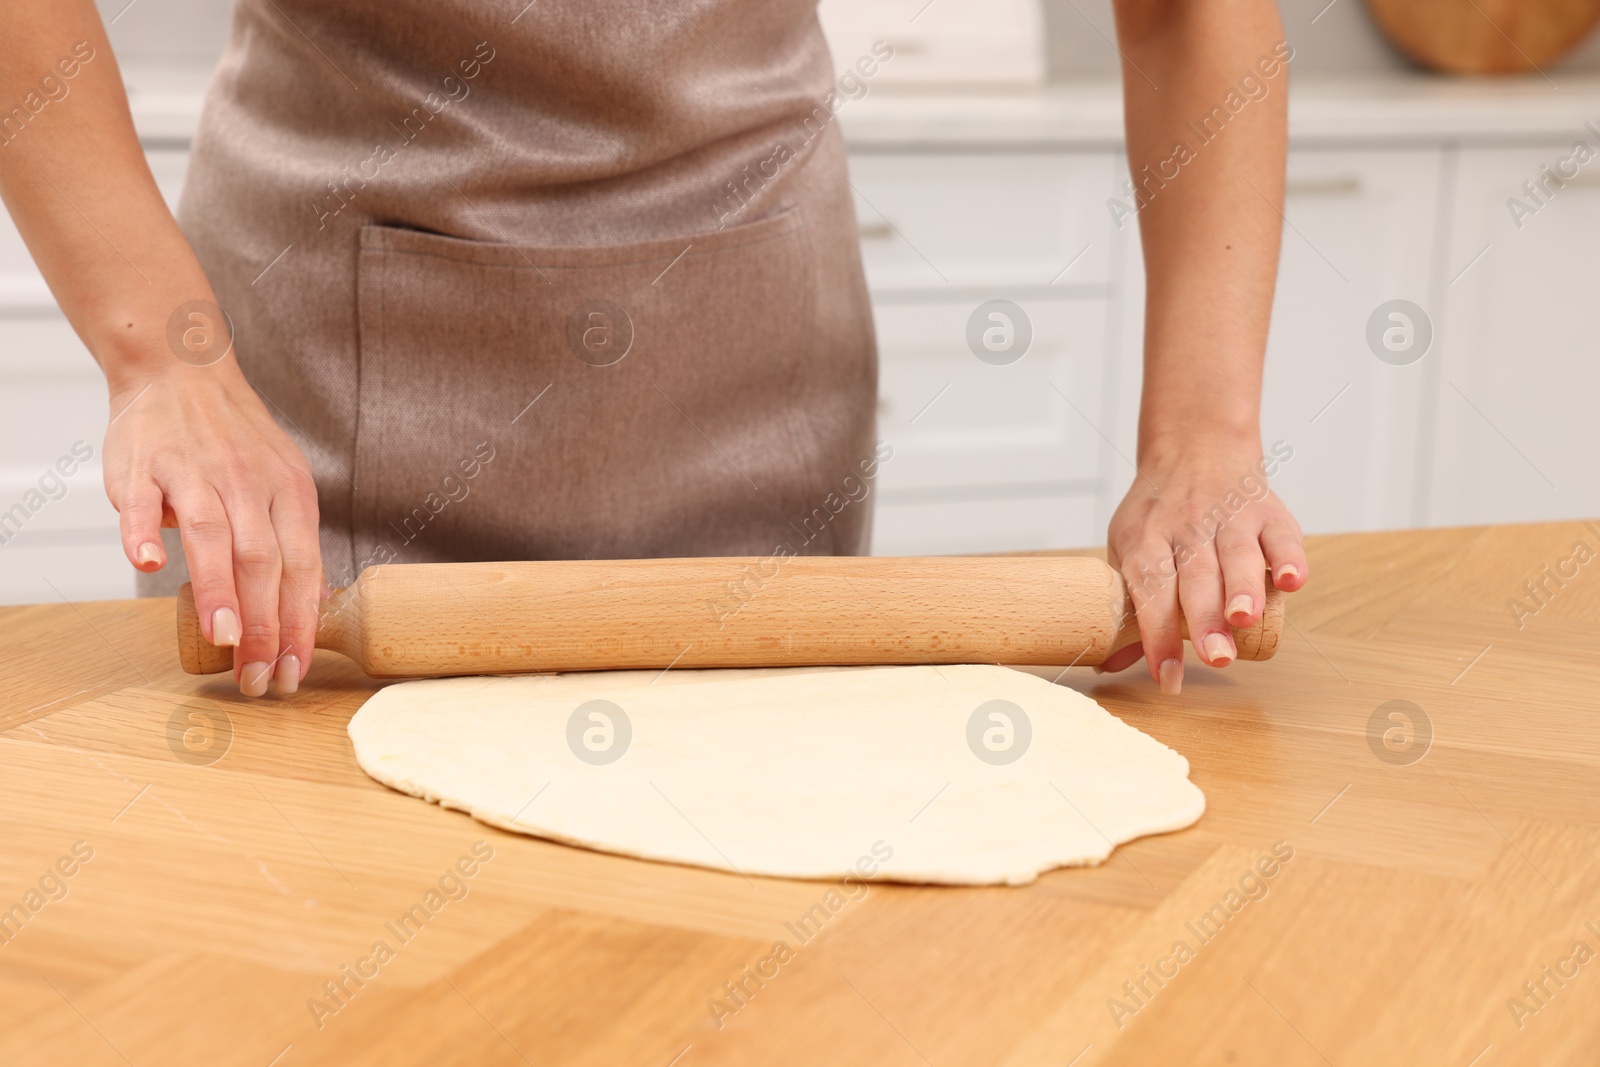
[[959, 775]]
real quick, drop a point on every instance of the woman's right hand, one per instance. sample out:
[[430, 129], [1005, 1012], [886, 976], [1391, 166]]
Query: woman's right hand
[[195, 448]]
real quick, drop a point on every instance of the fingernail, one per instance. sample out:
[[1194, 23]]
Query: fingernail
[[253, 679], [286, 679], [224, 627], [1288, 570], [149, 552], [1219, 650], [1239, 608], [1172, 677]]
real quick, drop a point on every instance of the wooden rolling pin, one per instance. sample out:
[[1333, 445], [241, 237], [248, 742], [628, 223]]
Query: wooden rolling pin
[[427, 619]]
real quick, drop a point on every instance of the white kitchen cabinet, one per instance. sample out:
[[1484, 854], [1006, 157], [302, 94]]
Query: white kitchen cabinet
[[960, 423], [1520, 366], [988, 456], [936, 220], [1361, 228], [945, 525]]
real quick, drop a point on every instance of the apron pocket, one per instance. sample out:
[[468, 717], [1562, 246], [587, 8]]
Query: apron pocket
[[650, 399]]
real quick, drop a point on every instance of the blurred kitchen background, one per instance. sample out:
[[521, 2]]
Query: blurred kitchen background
[[984, 155]]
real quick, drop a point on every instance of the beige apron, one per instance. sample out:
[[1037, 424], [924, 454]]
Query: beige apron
[[569, 280]]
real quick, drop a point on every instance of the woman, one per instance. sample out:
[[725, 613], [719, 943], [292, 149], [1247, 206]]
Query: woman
[[565, 280]]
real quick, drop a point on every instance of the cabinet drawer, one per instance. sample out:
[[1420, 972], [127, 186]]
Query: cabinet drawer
[[956, 421], [959, 525], [931, 220]]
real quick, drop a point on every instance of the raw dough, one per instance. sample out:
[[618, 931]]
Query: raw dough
[[799, 772]]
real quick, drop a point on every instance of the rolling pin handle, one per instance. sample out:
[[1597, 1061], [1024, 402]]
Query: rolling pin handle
[[198, 655], [1260, 641]]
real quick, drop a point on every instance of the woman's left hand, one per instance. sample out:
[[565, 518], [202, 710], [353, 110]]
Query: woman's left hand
[[1194, 539]]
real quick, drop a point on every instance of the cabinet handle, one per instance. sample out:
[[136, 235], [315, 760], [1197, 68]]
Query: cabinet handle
[[876, 231], [1348, 185]]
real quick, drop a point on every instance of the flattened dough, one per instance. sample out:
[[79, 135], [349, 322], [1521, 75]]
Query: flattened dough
[[797, 772]]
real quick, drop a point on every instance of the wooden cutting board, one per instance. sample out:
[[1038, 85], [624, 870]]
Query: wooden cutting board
[[1485, 36], [240, 862]]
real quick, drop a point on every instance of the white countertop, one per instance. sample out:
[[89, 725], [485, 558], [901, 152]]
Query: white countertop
[[1408, 109]]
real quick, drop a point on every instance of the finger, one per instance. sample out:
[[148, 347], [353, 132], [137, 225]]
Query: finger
[[208, 547], [140, 519], [1244, 574], [1285, 555], [257, 565], [1122, 659], [1153, 585], [1200, 593], [294, 518]]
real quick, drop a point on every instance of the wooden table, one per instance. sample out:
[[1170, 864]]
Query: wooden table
[[1429, 879]]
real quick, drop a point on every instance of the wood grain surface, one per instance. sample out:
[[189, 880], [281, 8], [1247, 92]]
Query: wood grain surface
[[1485, 36], [186, 874]]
